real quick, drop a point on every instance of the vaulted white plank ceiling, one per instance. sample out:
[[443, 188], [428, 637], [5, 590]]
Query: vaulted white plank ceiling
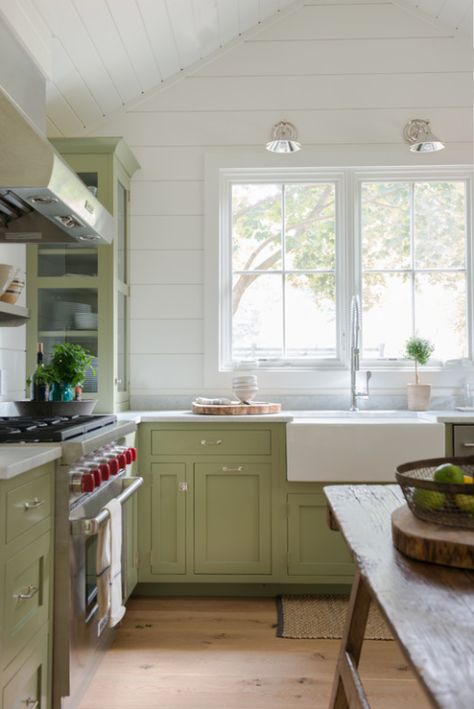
[[100, 55]]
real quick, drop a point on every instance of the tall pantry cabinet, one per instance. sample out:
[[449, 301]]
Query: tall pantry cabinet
[[80, 293]]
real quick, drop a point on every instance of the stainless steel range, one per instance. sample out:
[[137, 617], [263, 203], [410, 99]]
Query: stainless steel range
[[94, 468]]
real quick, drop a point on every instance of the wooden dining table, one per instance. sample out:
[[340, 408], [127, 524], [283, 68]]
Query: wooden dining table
[[428, 607]]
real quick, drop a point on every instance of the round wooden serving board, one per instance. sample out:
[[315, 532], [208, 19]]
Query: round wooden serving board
[[425, 541], [236, 409]]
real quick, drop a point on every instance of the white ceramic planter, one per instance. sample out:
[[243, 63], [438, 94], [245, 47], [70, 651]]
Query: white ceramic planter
[[419, 397]]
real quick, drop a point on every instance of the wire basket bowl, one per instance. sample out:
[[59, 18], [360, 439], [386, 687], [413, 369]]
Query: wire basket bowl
[[450, 504]]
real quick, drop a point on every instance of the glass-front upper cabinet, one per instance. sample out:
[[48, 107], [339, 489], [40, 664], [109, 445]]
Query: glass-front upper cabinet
[[80, 293]]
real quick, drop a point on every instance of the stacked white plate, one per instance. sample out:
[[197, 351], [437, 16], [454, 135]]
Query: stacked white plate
[[245, 387], [65, 310], [85, 321]]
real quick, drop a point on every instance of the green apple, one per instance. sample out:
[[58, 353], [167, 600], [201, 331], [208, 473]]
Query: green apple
[[465, 503], [449, 473], [428, 499]]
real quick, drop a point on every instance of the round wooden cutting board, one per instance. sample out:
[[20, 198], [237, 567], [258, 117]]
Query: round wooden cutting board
[[236, 409], [432, 542]]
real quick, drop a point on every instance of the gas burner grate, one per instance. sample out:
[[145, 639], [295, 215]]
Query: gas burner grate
[[24, 429]]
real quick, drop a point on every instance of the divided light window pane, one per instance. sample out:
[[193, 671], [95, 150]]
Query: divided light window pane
[[283, 272], [413, 260]]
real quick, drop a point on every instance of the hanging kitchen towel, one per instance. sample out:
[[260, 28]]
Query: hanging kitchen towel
[[102, 561], [117, 609]]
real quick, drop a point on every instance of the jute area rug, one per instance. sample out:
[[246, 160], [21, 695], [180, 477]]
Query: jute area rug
[[304, 617]]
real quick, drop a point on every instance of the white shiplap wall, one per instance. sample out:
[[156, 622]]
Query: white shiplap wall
[[348, 74]]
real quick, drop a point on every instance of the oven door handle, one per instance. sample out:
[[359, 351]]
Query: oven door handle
[[89, 526]]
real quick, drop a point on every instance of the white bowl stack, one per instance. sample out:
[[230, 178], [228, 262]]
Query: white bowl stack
[[85, 321], [245, 387]]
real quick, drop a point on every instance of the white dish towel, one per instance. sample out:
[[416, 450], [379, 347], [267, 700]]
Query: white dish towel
[[117, 609]]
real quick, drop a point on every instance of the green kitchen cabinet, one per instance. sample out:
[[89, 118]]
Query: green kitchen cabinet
[[216, 507], [206, 507], [28, 685], [80, 293], [168, 517], [232, 517], [313, 548], [26, 563]]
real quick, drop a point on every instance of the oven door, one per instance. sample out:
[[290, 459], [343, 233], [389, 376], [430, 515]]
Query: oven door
[[79, 643]]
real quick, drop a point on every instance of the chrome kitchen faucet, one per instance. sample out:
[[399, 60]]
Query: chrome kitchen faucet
[[355, 342]]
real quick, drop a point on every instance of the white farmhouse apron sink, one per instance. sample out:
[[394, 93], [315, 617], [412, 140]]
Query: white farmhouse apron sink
[[361, 446]]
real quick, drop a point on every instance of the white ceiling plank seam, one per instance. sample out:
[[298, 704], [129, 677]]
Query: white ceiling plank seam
[[108, 43], [150, 43], [81, 51], [71, 85], [184, 30], [163, 45], [130, 27], [206, 21]]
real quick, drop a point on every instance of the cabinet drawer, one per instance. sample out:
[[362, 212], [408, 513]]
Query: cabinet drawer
[[213, 441], [25, 603], [463, 440], [29, 683], [26, 505]]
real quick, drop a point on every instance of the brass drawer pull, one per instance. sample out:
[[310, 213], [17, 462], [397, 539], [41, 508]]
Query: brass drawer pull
[[211, 443], [36, 502], [30, 592], [31, 703], [237, 469]]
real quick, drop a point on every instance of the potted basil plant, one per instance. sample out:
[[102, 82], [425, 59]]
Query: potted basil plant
[[419, 395], [68, 367]]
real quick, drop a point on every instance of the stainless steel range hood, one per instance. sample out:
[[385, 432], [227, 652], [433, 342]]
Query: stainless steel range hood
[[42, 200]]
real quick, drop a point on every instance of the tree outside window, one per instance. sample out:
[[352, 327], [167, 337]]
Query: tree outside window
[[413, 262], [283, 271]]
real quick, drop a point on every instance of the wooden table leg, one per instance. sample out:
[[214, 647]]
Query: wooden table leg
[[347, 689]]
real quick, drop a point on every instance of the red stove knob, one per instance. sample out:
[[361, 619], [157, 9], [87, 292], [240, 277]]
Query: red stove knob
[[87, 482], [128, 456], [113, 466], [121, 460], [133, 453], [105, 471], [97, 475]]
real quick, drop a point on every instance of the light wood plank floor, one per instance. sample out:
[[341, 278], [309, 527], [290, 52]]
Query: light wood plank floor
[[205, 653]]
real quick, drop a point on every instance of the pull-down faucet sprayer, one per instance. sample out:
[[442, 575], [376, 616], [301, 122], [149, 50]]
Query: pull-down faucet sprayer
[[355, 351]]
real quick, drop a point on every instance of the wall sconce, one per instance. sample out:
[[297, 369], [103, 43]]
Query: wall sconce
[[420, 138], [283, 139]]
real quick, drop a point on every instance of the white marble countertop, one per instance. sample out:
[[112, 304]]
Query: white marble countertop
[[167, 416], [15, 460]]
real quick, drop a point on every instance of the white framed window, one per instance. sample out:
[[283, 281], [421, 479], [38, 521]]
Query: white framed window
[[412, 269], [286, 248], [281, 247]]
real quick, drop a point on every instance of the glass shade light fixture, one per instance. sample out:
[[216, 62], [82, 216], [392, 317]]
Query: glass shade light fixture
[[420, 138], [283, 138]]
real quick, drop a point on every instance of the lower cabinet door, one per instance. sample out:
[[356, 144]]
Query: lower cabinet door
[[26, 599], [28, 688], [232, 518], [168, 518], [313, 548]]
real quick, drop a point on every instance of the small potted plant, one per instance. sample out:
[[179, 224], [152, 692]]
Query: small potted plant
[[419, 395], [68, 366]]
